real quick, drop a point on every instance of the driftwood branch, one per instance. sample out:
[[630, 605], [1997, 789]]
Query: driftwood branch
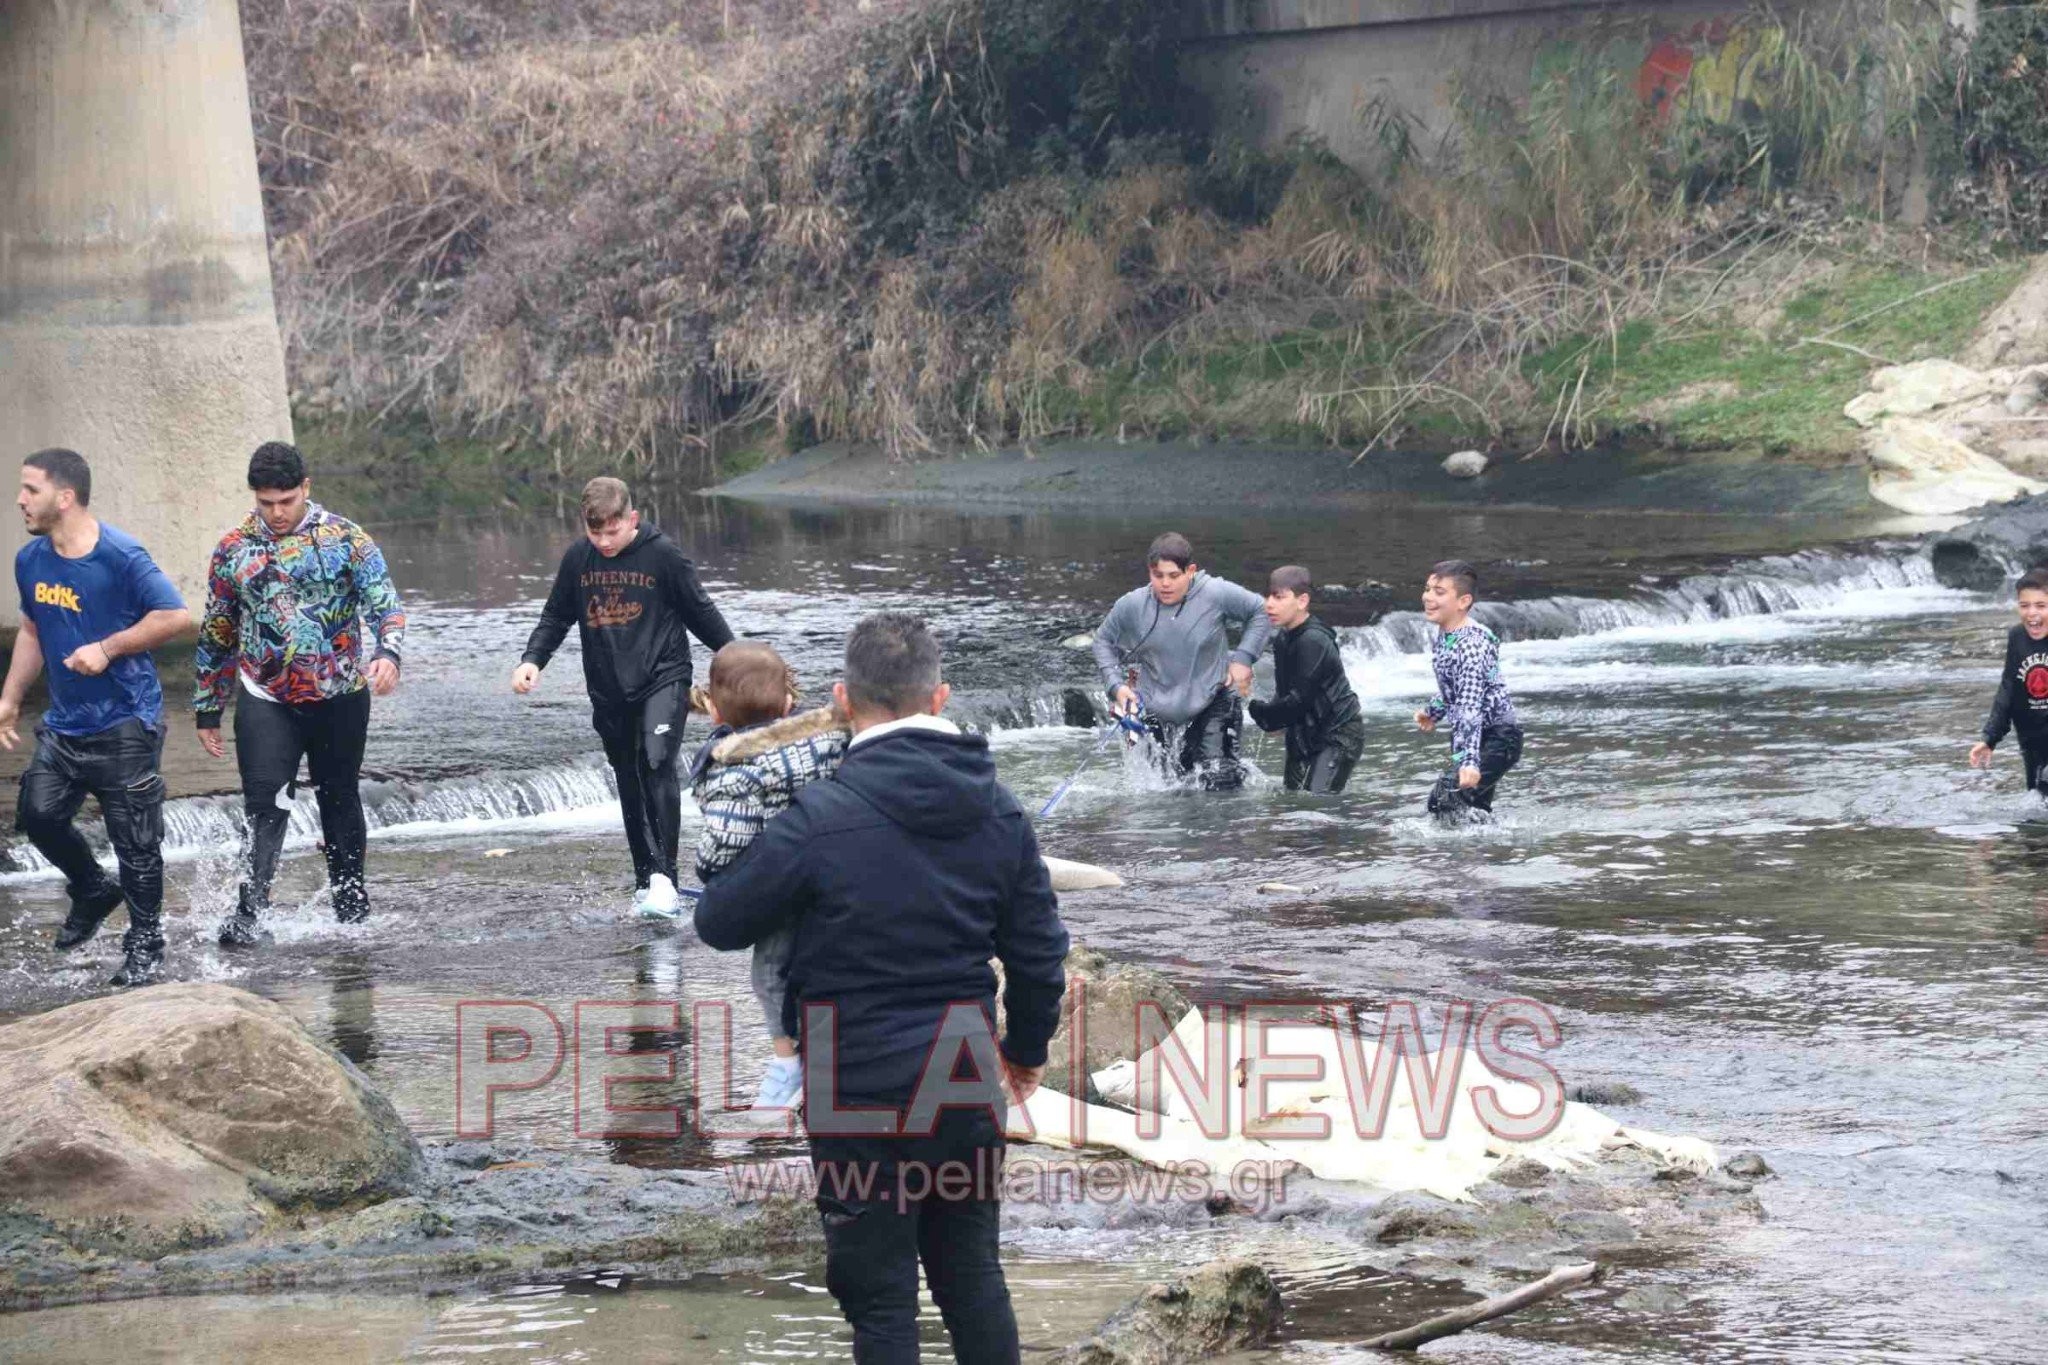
[[1556, 1282]]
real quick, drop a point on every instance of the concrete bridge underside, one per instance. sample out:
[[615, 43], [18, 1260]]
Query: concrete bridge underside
[[136, 320], [1270, 69]]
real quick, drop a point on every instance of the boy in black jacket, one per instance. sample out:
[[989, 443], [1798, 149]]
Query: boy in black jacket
[[635, 601], [903, 875], [1312, 698], [2021, 702]]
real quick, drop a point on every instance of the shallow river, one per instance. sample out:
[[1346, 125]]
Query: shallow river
[[1742, 861]]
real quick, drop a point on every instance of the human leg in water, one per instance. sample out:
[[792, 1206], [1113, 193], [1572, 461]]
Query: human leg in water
[[336, 732], [268, 746], [662, 717], [52, 790], [1208, 748], [1499, 750], [1323, 772], [130, 788], [620, 733]]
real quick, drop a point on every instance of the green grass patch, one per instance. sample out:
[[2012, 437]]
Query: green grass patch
[[1777, 388]]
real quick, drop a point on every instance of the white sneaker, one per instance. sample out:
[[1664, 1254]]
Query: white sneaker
[[782, 1081], [659, 900]]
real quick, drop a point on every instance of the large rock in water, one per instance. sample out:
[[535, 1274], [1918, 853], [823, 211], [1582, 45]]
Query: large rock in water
[[184, 1115], [1981, 554], [1224, 1306], [1111, 992]]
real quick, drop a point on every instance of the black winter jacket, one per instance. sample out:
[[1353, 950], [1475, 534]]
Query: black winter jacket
[[1312, 698], [2021, 702], [634, 614], [903, 874]]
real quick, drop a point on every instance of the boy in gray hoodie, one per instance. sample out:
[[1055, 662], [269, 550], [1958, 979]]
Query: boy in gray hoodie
[[1173, 634]]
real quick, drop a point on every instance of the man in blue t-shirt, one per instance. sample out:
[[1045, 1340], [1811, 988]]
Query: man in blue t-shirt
[[94, 604]]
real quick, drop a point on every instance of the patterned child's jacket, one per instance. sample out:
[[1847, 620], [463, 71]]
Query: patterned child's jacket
[[1470, 691], [288, 612], [743, 778]]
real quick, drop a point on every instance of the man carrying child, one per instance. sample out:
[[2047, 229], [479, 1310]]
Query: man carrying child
[[902, 877], [1486, 738]]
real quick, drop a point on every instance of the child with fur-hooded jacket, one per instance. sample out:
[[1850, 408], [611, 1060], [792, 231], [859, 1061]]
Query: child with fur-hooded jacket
[[758, 756]]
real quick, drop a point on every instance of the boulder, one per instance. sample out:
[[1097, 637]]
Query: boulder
[[1225, 1306], [1909, 390], [2016, 332], [1918, 468], [1466, 464], [1982, 554], [1071, 876], [1111, 991], [185, 1115]]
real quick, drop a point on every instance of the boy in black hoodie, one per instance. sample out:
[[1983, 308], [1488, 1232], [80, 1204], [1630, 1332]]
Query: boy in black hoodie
[[2021, 702], [1312, 698], [635, 601], [902, 876]]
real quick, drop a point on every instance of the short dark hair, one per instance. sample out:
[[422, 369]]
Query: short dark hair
[[605, 499], [1290, 578], [892, 663], [749, 682], [276, 465], [2035, 578], [66, 468], [1462, 575], [1172, 547]]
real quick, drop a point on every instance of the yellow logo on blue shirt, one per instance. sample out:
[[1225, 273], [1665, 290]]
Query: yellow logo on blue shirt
[[57, 595]]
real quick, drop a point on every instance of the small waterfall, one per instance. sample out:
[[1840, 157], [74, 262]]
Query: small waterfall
[[1804, 581], [213, 824]]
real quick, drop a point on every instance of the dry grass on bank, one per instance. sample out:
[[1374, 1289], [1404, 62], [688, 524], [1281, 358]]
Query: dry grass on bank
[[946, 222]]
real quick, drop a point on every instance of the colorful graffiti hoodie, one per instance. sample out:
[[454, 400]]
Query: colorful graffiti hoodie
[[287, 612]]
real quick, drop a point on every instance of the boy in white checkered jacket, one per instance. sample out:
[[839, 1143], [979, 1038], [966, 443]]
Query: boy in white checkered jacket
[[750, 769]]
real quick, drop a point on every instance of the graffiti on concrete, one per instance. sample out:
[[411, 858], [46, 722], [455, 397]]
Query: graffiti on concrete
[[1711, 70]]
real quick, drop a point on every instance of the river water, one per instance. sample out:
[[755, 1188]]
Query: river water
[[1742, 861]]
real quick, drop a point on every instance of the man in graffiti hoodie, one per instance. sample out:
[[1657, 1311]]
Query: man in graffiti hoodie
[[287, 596], [1191, 683], [635, 601]]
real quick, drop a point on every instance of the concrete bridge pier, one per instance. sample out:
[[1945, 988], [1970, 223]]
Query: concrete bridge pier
[[136, 320]]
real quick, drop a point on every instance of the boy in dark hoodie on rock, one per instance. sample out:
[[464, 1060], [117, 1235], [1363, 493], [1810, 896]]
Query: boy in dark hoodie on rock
[[757, 758], [635, 601], [1312, 697]]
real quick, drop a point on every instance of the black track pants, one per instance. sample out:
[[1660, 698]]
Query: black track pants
[[643, 742], [120, 767], [270, 739]]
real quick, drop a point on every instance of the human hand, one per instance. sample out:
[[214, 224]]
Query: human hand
[[1126, 701], [10, 713], [383, 676], [1021, 1082], [210, 740], [1980, 755], [1240, 677], [525, 678], [89, 661], [1468, 777], [1425, 722]]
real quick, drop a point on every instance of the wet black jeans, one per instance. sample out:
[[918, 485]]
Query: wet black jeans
[[875, 1240], [121, 768], [1499, 750], [1326, 767], [644, 743], [1208, 744], [270, 738]]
